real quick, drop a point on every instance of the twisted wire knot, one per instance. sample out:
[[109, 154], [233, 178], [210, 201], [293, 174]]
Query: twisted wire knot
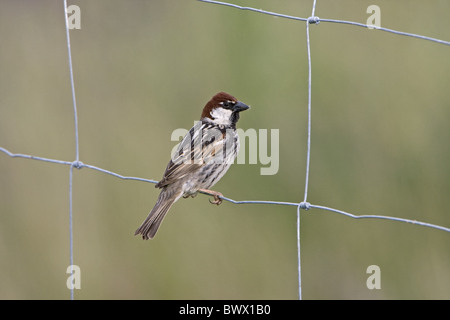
[[304, 205], [313, 20], [77, 164]]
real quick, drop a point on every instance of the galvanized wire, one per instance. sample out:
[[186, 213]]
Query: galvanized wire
[[358, 24], [301, 205], [305, 205]]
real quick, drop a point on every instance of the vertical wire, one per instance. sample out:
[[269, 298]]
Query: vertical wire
[[308, 156], [77, 153], [74, 101], [313, 13], [298, 255], [71, 228], [308, 153]]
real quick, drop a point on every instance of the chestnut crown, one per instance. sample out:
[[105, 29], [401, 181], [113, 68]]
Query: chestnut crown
[[224, 105]]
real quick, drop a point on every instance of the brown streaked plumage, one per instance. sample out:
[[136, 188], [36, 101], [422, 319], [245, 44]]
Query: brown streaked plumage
[[198, 166]]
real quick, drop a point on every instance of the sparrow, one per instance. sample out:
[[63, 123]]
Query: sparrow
[[201, 159]]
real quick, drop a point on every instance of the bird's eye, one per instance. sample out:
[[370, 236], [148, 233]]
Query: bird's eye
[[227, 104]]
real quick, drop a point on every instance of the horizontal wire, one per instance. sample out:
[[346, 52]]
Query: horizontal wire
[[302, 205], [76, 164], [26, 156], [316, 20], [370, 216], [255, 10], [118, 175], [408, 34]]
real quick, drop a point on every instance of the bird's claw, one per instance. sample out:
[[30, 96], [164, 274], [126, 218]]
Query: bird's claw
[[216, 201], [215, 194]]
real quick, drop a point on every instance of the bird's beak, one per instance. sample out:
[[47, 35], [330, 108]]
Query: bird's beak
[[240, 106]]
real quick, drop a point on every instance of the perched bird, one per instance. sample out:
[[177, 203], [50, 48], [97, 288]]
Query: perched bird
[[201, 159]]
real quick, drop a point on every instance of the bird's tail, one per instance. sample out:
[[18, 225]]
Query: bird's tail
[[151, 224]]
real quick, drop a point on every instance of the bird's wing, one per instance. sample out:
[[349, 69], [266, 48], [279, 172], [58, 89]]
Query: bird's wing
[[204, 143]]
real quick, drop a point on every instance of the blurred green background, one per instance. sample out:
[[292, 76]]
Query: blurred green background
[[380, 136]]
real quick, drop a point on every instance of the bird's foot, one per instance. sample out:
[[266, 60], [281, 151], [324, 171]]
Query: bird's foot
[[215, 194]]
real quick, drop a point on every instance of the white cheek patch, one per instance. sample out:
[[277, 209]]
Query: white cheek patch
[[221, 116]]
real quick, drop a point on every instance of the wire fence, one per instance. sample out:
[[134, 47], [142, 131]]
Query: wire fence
[[303, 205]]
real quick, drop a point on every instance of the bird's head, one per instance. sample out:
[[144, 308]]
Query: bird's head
[[223, 109]]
